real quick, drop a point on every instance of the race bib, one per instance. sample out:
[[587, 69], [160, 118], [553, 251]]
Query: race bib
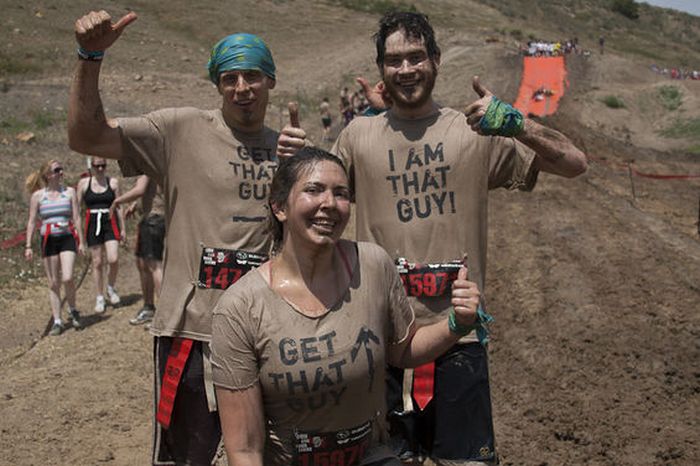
[[427, 280], [221, 268], [343, 448]]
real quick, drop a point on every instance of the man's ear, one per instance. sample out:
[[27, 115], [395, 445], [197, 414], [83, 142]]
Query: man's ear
[[270, 82], [436, 62]]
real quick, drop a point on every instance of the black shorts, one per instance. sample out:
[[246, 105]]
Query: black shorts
[[151, 238], [326, 122], [456, 424], [195, 432], [107, 230], [56, 244]]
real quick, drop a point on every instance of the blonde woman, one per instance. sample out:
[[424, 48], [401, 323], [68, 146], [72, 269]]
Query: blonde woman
[[56, 206]]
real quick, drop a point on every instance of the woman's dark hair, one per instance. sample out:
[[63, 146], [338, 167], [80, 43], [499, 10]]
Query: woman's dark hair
[[288, 172], [415, 25]]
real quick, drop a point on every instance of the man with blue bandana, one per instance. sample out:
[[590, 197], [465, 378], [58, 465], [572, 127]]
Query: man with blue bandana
[[214, 167]]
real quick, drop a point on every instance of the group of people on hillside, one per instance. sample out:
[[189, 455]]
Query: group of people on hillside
[[55, 209], [676, 73], [542, 48], [272, 331]]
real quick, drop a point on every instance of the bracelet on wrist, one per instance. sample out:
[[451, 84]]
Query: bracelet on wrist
[[455, 327], [90, 55]]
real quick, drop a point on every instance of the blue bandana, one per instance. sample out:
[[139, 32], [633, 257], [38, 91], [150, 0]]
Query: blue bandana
[[240, 52]]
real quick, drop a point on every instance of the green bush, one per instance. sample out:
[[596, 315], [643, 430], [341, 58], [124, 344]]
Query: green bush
[[612, 101], [670, 97], [684, 129], [628, 8]]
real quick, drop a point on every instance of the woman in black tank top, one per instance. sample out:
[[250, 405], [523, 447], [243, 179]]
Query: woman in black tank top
[[102, 230]]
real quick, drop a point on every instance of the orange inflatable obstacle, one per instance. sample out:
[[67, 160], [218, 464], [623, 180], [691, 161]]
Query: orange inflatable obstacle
[[542, 85]]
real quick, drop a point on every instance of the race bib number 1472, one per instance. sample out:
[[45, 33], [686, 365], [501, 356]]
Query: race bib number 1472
[[221, 268]]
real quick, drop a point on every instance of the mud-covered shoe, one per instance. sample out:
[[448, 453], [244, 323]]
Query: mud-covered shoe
[[99, 304], [56, 329], [143, 316], [114, 298], [75, 318]]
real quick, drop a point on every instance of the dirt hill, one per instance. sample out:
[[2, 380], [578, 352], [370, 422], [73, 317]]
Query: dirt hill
[[593, 281]]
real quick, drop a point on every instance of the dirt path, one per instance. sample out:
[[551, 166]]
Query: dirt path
[[83, 397], [594, 355]]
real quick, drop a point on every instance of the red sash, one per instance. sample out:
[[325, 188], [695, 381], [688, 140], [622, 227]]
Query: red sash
[[179, 352], [47, 233], [424, 384]]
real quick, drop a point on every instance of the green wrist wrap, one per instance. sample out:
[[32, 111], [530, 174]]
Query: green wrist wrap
[[501, 119]]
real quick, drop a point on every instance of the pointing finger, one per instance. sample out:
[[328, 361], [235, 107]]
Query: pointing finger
[[293, 108]]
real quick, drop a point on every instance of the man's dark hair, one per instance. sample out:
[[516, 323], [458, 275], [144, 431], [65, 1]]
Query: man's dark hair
[[415, 25]]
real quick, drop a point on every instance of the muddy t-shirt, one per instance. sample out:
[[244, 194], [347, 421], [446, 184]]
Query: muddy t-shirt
[[215, 183], [421, 190], [322, 378]]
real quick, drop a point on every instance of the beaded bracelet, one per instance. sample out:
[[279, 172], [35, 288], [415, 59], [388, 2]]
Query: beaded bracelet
[[90, 55]]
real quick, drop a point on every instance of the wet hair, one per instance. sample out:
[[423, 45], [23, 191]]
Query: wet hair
[[288, 172], [38, 178], [415, 26]]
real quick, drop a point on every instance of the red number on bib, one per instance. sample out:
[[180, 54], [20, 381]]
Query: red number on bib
[[222, 278], [429, 284], [416, 284]]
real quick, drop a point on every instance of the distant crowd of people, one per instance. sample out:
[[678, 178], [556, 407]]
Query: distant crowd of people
[[676, 73], [543, 48]]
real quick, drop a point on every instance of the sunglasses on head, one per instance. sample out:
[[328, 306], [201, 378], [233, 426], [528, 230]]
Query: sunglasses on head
[[57, 170], [99, 165]]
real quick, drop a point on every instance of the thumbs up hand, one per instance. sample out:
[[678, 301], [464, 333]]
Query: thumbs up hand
[[465, 298], [95, 31], [377, 96], [292, 137], [477, 109]]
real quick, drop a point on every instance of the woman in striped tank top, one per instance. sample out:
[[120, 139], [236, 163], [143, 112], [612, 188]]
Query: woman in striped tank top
[[56, 207]]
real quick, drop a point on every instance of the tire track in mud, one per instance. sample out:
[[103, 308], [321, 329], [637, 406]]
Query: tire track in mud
[[596, 329]]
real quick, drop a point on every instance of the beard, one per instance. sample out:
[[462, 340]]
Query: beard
[[416, 97]]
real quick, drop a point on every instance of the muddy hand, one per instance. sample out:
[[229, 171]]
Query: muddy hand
[[96, 32], [465, 298], [292, 137], [377, 96], [477, 109]]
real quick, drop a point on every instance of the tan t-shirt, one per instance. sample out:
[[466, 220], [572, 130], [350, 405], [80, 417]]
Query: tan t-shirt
[[317, 375], [215, 182], [421, 189]]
